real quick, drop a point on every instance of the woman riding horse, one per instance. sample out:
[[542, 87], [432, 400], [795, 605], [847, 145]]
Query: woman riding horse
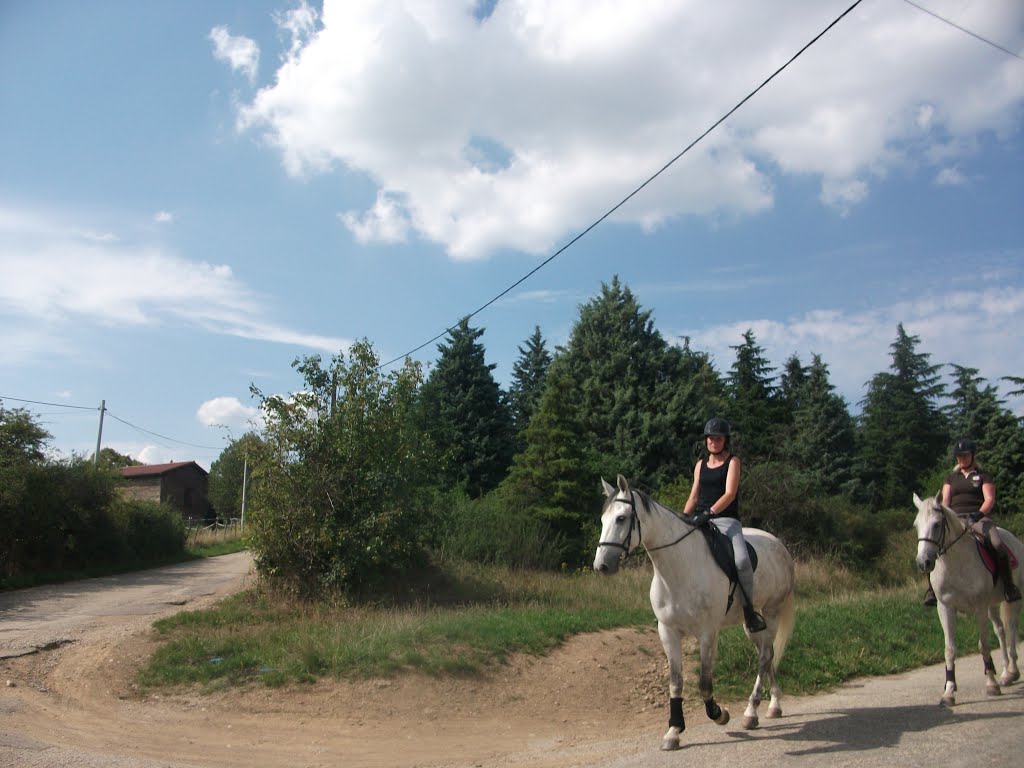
[[970, 493], [715, 496]]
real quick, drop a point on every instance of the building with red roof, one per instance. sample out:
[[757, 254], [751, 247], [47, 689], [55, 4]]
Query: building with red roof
[[182, 484]]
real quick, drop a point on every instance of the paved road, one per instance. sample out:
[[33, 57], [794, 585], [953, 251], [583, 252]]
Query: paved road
[[892, 721], [46, 617]]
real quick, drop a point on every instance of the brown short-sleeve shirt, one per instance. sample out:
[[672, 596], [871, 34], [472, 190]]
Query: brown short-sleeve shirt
[[965, 495]]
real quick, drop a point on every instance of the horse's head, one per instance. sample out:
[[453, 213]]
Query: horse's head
[[620, 526], [933, 522]]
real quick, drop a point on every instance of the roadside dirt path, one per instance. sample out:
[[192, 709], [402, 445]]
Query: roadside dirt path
[[68, 655]]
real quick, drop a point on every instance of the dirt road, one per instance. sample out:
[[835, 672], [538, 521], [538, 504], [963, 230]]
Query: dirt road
[[68, 654]]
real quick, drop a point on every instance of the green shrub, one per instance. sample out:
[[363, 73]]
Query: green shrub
[[152, 531]]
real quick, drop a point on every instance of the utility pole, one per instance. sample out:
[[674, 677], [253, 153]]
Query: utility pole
[[99, 435], [245, 478]]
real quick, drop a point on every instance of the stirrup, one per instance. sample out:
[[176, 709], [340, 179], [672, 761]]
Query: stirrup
[[929, 598], [754, 620]]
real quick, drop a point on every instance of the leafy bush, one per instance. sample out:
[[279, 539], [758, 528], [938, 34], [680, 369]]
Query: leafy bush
[[152, 531], [493, 530]]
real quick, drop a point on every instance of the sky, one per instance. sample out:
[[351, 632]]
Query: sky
[[194, 194]]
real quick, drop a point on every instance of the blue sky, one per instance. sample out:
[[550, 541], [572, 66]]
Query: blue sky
[[193, 194]]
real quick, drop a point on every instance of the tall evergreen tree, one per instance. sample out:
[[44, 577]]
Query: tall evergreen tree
[[465, 413], [635, 411], [554, 473], [902, 430], [794, 376], [528, 376], [823, 444], [973, 404], [753, 403]]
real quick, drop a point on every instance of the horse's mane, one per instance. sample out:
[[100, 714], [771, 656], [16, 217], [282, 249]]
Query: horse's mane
[[652, 504], [952, 518]]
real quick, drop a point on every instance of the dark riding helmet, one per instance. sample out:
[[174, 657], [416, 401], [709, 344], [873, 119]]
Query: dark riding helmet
[[717, 426], [965, 445]]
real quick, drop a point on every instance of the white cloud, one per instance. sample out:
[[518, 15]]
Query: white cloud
[[229, 412], [950, 177], [855, 345], [241, 53], [163, 217], [52, 277], [513, 131]]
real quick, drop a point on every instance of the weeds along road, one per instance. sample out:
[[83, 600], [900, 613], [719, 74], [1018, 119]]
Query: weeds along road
[[70, 651]]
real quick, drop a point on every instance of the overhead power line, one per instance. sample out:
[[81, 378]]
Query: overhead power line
[[632, 194], [162, 437], [55, 405], [975, 35]]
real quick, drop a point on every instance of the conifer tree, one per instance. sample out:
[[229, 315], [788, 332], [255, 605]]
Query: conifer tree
[[902, 429], [466, 415], [528, 376], [753, 404]]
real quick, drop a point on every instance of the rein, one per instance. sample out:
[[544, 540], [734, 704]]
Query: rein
[[634, 520], [942, 546]]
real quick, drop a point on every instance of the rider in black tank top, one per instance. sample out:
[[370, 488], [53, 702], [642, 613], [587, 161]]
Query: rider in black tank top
[[712, 488]]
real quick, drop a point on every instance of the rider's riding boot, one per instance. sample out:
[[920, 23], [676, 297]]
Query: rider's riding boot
[[929, 597], [1010, 591], [753, 619]]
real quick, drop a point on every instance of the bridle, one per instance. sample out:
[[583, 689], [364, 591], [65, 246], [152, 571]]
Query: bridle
[[634, 522], [940, 544]]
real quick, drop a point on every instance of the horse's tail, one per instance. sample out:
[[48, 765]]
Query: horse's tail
[[787, 617]]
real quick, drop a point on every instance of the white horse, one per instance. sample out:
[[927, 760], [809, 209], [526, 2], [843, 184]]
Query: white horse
[[690, 594], [949, 554]]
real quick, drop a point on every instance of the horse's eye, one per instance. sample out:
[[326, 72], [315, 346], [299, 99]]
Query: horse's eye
[[620, 519]]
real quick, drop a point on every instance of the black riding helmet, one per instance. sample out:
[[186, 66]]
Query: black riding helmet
[[717, 426], [965, 445]]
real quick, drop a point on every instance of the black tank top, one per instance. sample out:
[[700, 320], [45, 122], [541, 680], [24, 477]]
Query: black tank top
[[712, 488]]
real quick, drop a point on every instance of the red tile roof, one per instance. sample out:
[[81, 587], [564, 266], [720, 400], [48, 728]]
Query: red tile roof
[[150, 470]]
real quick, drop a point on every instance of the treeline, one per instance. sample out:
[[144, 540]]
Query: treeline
[[361, 473], [65, 515]]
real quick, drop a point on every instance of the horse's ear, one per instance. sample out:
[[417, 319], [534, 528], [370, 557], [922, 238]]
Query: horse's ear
[[623, 484], [938, 497], [917, 501], [609, 489]]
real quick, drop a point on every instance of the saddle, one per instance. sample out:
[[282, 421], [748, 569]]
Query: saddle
[[721, 551], [988, 555]]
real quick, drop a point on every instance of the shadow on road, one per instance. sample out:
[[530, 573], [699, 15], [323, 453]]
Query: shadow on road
[[865, 729]]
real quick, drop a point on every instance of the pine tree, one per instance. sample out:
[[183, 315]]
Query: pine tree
[[528, 376], [465, 413], [823, 444], [902, 429], [753, 405], [554, 474]]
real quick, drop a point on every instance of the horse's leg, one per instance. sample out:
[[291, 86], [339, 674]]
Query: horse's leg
[[671, 641], [708, 655], [991, 684], [1000, 630], [1011, 619], [775, 702], [947, 617], [763, 643]]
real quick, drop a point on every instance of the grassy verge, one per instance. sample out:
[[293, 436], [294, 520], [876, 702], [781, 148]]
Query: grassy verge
[[844, 630]]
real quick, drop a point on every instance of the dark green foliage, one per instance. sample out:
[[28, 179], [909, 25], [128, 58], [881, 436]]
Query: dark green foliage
[[152, 531], [528, 377], [464, 412], [822, 444], [496, 529], [753, 406], [554, 475], [638, 397], [226, 474], [113, 460], [338, 495], [777, 497], [902, 429]]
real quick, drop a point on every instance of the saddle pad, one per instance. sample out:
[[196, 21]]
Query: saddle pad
[[721, 550], [989, 560]]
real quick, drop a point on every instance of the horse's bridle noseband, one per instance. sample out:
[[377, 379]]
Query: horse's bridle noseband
[[634, 521]]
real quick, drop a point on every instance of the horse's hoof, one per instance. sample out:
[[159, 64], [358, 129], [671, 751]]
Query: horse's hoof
[[1009, 678], [947, 701], [750, 722], [724, 717], [775, 712], [669, 745], [993, 690]]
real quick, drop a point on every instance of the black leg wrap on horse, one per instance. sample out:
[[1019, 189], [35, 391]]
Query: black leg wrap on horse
[[990, 665], [714, 711], [675, 714], [951, 676]]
